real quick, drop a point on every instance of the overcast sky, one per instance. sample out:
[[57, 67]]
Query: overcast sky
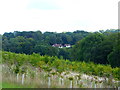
[[58, 15]]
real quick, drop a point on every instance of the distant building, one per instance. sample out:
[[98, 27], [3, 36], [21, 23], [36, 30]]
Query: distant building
[[61, 46], [58, 45], [67, 45]]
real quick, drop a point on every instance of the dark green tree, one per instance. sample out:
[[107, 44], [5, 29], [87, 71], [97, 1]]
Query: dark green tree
[[114, 56]]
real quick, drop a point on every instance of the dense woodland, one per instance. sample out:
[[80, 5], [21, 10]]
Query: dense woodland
[[38, 42], [102, 47]]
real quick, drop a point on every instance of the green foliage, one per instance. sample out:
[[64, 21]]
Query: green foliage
[[70, 78], [87, 47], [47, 63], [38, 42], [114, 56], [116, 73], [101, 47], [98, 48]]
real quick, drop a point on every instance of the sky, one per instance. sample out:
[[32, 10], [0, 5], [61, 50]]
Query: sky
[[58, 15]]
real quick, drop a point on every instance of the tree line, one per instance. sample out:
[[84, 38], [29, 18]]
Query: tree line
[[100, 48], [38, 42]]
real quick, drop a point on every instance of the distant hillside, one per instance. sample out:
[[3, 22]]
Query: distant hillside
[[35, 41], [43, 43]]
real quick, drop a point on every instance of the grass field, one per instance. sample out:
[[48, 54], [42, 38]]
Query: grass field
[[13, 85], [9, 85]]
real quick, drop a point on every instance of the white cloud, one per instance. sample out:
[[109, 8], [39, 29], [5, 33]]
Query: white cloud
[[88, 15]]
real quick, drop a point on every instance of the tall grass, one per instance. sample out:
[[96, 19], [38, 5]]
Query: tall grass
[[40, 80]]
